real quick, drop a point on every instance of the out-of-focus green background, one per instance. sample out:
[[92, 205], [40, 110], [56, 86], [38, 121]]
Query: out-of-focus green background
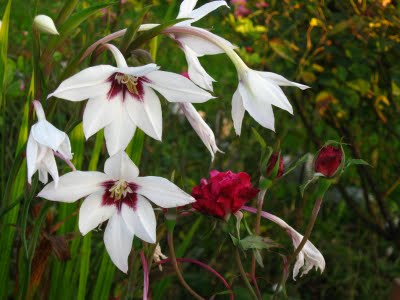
[[348, 52]]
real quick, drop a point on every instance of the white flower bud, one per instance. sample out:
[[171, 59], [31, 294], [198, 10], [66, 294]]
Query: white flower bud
[[45, 24]]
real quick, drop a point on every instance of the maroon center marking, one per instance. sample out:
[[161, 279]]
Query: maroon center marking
[[121, 83], [109, 198]]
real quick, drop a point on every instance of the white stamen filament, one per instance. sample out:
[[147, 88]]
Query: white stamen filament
[[120, 190]]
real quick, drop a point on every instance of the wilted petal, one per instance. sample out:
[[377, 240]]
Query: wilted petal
[[92, 213], [202, 11], [162, 192], [73, 186], [120, 166], [48, 163], [146, 114], [119, 133], [202, 129], [31, 155], [141, 221], [99, 112], [257, 107], [177, 88], [88, 83], [282, 81], [118, 240], [196, 71], [48, 135], [238, 111]]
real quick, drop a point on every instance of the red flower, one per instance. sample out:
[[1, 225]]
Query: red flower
[[271, 165], [223, 194], [328, 160]]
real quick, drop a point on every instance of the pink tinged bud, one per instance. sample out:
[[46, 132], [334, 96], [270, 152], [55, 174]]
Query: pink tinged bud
[[271, 165], [328, 161], [223, 194]]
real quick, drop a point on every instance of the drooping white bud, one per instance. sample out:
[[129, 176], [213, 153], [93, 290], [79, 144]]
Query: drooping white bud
[[45, 24]]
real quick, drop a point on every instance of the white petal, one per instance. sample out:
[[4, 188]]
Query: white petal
[[139, 71], [92, 213], [177, 88], [258, 108], [99, 112], [119, 133], [141, 221], [47, 135], [146, 114], [48, 162], [120, 166], [270, 91], [119, 58], [237, 111], [202, 46], [39, 110], [43, 175], [186, 8], [73, 186], [31, 156], [162, 192], [88, 83], [201, 127], [118, 240], [202, 11], [282, 81], [197, 74]]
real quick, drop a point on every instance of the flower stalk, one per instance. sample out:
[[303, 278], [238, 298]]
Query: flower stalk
[[244, 275]]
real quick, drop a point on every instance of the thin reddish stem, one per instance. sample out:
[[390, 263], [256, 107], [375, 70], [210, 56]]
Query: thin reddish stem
[[146, 276], [204, 266]]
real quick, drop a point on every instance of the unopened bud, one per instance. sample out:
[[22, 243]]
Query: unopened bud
[[45, 24], [328, 161], [272, 163]]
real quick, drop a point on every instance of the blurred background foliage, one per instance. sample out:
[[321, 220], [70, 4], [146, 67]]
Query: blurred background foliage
[[346, 51]]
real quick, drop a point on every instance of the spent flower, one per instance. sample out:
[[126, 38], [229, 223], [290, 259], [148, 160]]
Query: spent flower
[[45, 140]]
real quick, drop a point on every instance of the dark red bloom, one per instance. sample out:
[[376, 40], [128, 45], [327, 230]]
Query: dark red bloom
[[271, 165], [223, 194], [328, 160]]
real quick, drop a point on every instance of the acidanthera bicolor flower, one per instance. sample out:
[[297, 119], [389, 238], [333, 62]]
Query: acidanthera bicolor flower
[[122, 97], [121, 197], [202, 129], [309, 256], [45, 140], [194, 47]]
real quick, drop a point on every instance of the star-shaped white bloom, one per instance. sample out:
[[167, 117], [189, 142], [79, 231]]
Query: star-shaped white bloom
[[121, 197], [122, 97], [194, 47], [257, 92], [43, 139]]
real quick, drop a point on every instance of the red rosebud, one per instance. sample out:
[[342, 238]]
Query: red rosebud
[[271, 165], [223, 194], [328, 160]]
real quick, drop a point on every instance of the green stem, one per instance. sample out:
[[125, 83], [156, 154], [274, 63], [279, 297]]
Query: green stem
[[244, 275], [176, 267]]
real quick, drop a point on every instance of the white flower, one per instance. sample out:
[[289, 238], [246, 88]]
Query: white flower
[[202, 129], [43, 139], [194, 47], [45, 24], [121, 197], [308, 257], [257, 92], [122, 97]]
